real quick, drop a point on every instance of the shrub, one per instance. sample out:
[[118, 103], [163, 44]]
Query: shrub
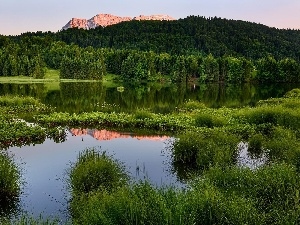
[[262, 115], [204, 120]]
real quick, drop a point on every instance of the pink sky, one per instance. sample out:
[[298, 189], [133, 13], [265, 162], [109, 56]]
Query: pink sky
[[35, 15]]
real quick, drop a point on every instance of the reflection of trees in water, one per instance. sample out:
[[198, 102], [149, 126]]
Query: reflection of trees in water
[[36, 90], [93, 96], [155, 98], [77, 97]]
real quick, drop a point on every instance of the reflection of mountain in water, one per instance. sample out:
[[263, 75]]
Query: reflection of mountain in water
[[105, 135]]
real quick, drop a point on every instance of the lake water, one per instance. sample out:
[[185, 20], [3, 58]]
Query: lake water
[[45, 166], [93, 96]]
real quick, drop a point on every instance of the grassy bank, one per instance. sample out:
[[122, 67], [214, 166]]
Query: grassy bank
[[53, 76]]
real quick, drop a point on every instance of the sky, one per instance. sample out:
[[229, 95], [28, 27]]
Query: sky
[[19, 16]]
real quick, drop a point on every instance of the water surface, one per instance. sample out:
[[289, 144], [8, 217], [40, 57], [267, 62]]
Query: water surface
[[93, 96], [45, 166]]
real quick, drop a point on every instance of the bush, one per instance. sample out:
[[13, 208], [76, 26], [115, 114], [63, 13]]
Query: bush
[[295, 93]]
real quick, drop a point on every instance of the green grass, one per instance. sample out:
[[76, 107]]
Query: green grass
[[9, 184], [96, 171], [50, 76], [29, 220], [53, 76], [231, 195], [201, 150], [111, 80]]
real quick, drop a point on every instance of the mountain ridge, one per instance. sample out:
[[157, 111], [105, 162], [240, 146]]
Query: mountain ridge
[[104, 20]]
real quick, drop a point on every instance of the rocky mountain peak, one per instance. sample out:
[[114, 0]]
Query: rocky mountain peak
[[109, 19]]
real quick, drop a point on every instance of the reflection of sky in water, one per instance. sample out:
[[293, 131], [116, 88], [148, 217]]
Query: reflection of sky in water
[[45, 167], [245, 159]]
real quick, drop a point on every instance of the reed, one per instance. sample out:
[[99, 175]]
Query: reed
[[10, 183], [95, 170]]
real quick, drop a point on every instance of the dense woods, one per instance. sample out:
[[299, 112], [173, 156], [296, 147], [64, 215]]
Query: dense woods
[[211, 49], [18, 59]]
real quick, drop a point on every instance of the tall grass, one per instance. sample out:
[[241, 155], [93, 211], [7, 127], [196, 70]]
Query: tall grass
[[202, 150], [144, 204], [9, 184], [95, 170], [28, 220], [207, 120], [274, 190]]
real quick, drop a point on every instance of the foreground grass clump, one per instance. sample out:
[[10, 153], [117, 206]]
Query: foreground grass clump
[[94, 170], [100, 200], [273, 190], [9, 184], [145, 204], [231, 195]]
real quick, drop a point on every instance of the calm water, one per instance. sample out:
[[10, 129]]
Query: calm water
[[45, 166], [80, 97]]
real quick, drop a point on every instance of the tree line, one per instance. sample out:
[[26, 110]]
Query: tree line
[[16, 60], [33, 54]]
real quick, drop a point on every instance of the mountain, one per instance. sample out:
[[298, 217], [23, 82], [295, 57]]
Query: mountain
[[193, 34], [104, 20]]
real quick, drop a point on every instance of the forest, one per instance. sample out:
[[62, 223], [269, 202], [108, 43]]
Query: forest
[[209, 49]]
